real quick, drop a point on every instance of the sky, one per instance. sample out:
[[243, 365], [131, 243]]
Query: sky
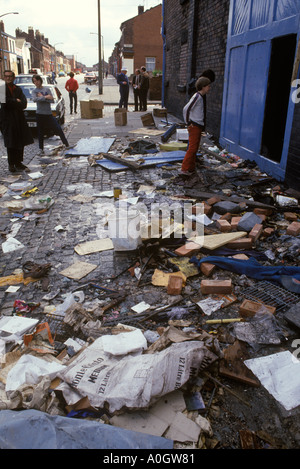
[[68, 24]]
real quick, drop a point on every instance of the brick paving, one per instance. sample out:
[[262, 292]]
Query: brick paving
[[64, 177]]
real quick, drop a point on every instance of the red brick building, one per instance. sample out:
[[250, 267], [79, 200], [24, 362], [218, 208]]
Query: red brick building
[[140, 43]]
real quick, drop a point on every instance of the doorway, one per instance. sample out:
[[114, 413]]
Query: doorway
[[278, 93]]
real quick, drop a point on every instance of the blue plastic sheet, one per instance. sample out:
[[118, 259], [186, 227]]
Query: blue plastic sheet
[[32, 429], [160, 158]]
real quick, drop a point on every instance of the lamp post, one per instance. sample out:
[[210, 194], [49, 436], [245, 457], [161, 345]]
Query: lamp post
[[102, 58], [55, 66], [2, 47], [100, 79]]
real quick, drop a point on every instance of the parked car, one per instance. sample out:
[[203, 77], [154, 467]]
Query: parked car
[[58, 106], [90, 78], [27, 78]]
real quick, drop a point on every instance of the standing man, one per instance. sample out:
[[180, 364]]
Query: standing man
[[144, 87], [13, 125], [194, 117], [136, 80], [72, 87], [43, 98], [123, 82]]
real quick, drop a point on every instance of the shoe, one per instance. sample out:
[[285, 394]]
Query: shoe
[[41, 153], [22, 167], [187, 173], [12, 169]]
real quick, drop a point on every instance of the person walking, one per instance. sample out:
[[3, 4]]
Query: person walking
[[42, 96], [136, 80], [72, 87], [144, 87], [194, 113], [13, 125], [123, 82]]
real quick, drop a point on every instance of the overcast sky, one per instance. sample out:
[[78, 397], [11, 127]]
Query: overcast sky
[[71, 21]]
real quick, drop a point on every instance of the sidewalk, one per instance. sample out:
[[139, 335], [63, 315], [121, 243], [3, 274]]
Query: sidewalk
[[111, 95]]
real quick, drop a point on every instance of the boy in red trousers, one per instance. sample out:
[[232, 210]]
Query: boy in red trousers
[[194, 117]]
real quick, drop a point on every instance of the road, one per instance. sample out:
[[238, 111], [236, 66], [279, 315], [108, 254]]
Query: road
[[81, 93]]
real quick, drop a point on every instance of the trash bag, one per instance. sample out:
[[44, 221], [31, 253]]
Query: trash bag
[[141, 147]]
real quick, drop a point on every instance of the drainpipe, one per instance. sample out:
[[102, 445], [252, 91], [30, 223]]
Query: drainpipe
[[193, 41], [164, 55]]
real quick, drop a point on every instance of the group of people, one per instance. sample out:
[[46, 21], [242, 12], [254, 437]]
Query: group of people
[[13, 125], [140, 83], [17, 134]]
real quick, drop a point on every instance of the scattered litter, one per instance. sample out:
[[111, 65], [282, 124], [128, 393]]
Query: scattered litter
[[11, 245], [78, 270], [280, 375]]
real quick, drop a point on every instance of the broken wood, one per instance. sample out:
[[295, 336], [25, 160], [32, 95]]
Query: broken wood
[[235, 198], [116, 159]]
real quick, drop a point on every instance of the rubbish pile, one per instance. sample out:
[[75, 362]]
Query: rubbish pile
[[201, 316]]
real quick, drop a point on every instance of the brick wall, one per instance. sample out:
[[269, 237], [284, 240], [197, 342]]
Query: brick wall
[[192, 47], [147, 37]]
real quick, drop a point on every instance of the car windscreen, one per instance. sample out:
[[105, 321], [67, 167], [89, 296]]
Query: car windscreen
[[27, 90], [28, 79]]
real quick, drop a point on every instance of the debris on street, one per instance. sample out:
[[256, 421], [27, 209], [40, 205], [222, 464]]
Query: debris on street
[[162, 315]]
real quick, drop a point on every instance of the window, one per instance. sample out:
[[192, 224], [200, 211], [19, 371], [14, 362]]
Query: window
[[150, 64]]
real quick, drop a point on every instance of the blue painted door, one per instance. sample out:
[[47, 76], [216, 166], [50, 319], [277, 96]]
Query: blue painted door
[[253, 25]]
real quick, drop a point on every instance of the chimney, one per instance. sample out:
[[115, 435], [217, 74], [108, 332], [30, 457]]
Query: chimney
[[140, 9], [31, 32]]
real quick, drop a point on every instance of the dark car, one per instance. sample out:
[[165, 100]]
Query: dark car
[[58, 106]]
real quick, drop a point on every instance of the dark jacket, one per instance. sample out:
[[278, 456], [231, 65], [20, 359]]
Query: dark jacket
[[145, 82], [13, 125]]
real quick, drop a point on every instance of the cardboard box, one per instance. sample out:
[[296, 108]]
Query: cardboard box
[[85, 109], [120, 116], [88, 112], [96, 104], [148, 120], [160, 112]]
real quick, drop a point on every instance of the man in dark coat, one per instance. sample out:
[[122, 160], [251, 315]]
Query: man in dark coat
[[123, 83], [144, 87], [13, 125]]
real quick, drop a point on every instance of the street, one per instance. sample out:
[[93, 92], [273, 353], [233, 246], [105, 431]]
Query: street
[[48, 217]]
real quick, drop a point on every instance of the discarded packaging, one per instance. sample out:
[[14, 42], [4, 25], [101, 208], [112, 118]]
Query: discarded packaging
[[131, 381]]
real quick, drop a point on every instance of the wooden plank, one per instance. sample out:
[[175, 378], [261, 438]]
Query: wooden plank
[[235, 198], [216, 241], [116, 159]]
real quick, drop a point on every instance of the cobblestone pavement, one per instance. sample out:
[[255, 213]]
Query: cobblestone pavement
[[62, 179], [74, 218]]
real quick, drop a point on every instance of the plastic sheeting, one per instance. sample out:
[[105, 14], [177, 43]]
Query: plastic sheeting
[[160, 159], [31, 429]]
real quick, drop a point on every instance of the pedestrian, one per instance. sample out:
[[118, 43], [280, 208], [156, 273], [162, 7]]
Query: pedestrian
[[43, 98], [13, 125], [136, 80], [54, 78], [72, 87], [210, 74], [123, 82], [195, 117], [144, 87]]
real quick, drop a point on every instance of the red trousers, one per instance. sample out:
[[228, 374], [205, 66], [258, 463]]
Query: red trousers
[[189, 161]]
